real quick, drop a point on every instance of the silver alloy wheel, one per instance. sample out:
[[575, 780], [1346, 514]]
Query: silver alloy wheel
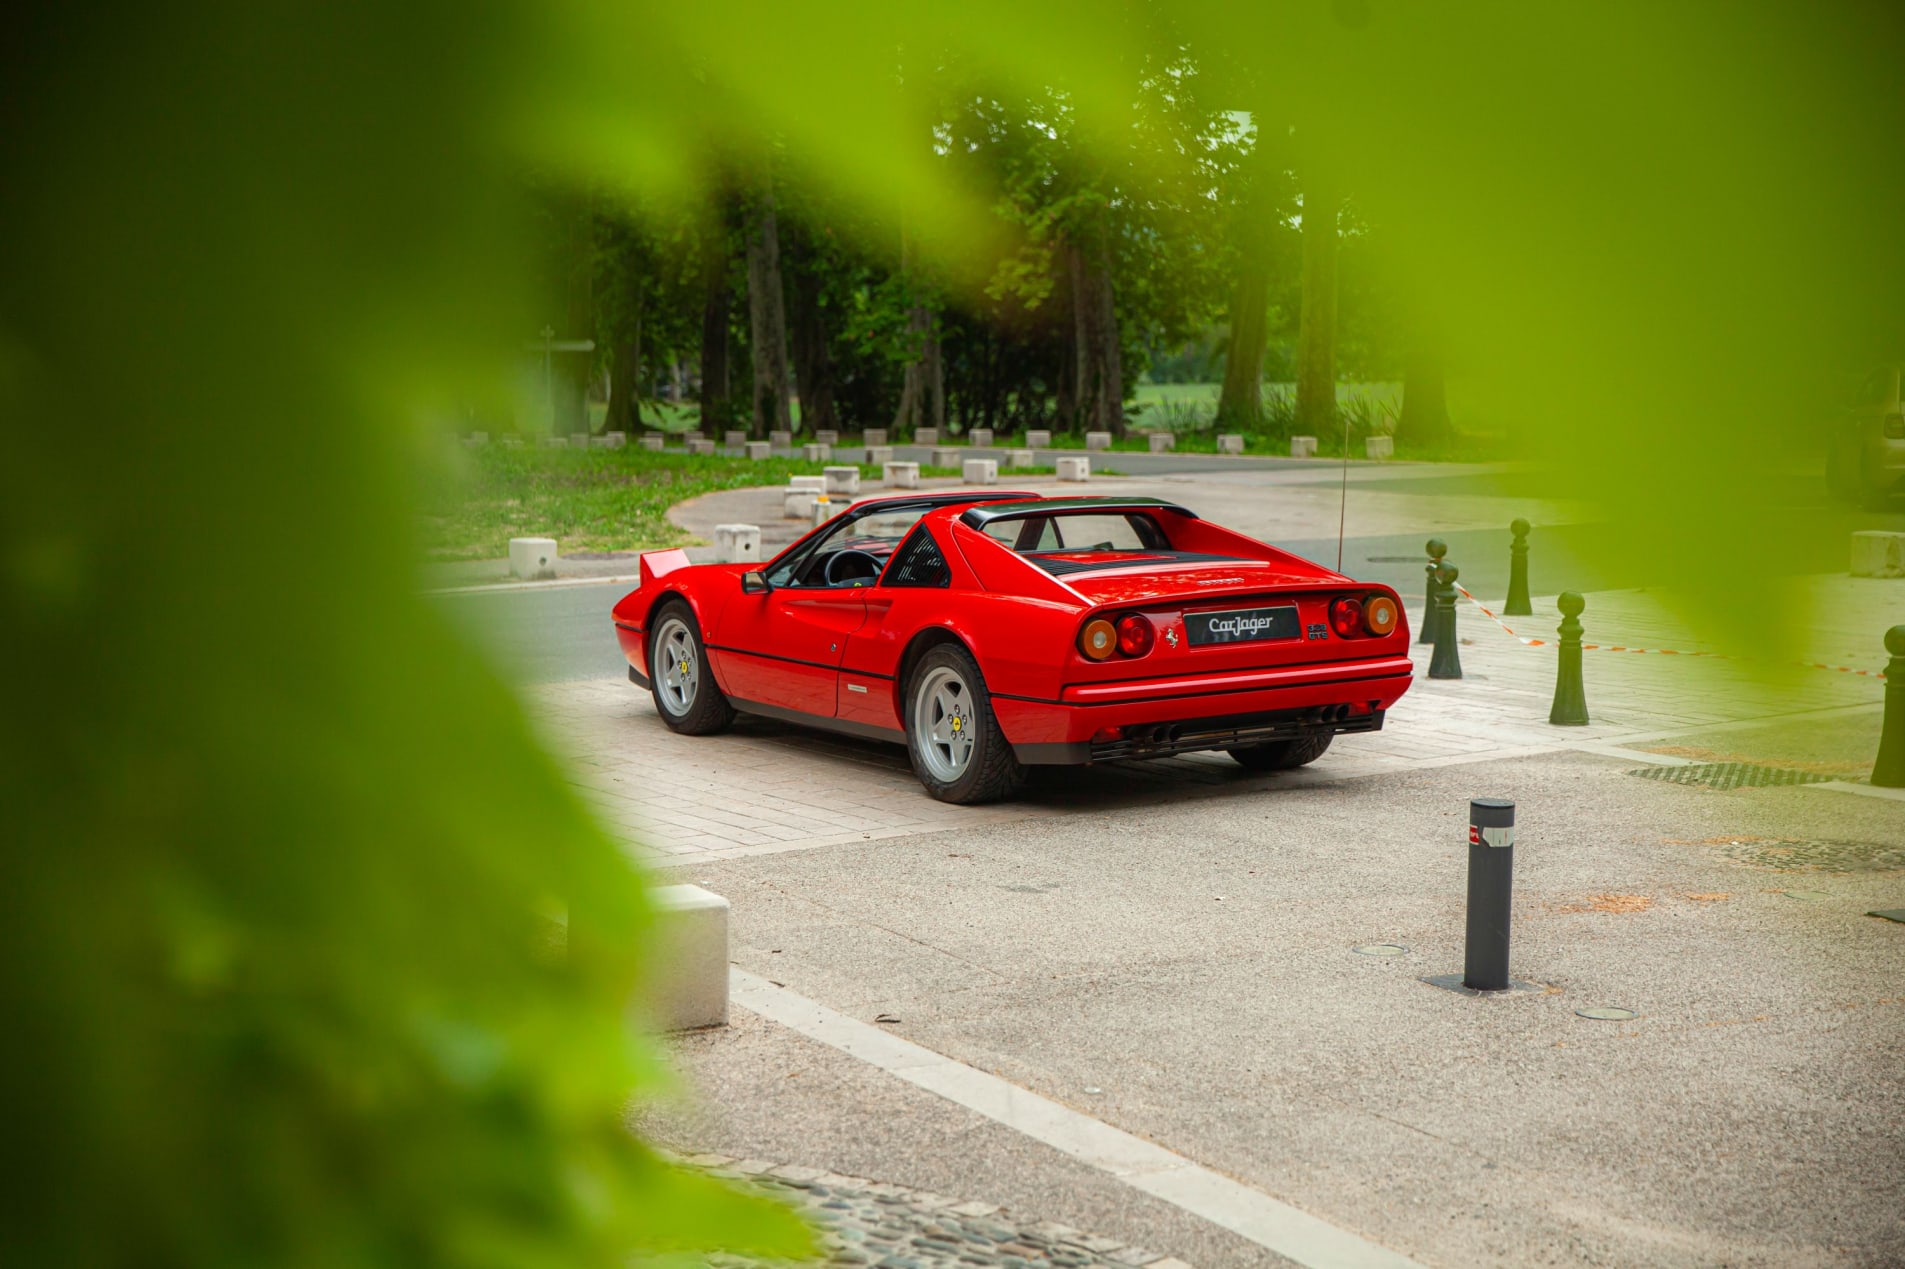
[[943, 724], [675, 666]]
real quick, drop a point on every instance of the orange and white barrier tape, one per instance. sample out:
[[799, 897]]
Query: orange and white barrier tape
[[1665, 652]]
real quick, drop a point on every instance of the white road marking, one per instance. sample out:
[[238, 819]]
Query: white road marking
[[556, 583], [1143, 1165]]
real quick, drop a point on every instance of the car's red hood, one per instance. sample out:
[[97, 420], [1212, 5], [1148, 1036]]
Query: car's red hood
[[1148, 581]]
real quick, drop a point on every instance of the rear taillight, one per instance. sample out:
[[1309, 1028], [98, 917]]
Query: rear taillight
[[1379, 615], [1346, 618], [1098, 640], [1135, 635]]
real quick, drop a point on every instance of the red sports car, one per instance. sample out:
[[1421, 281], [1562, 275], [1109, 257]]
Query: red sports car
[[992, 631]]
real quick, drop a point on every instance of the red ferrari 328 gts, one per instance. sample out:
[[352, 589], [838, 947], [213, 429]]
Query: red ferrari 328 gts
[[988, 632]]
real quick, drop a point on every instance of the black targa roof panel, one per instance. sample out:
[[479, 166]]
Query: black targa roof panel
[[980, 517]]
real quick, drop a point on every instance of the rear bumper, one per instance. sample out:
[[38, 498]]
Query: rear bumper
[[1349, 697]]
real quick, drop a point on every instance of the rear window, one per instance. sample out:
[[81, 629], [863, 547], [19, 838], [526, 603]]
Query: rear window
[[1085, 531]]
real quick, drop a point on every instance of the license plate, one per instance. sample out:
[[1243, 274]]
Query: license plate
[[1243, 625]]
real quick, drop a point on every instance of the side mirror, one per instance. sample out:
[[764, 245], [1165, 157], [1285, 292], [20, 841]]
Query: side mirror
[[754, 582]]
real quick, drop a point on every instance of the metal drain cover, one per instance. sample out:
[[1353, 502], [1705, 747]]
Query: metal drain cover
[[1607, 1013], [1379, 949], [1788, 854], [1730, 775]]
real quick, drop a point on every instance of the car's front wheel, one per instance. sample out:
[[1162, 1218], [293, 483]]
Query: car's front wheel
[[685, 693], [1282, 755], [958, 751]]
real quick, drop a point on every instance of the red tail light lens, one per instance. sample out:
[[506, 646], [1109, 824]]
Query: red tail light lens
[[1098, 640], [1379, 615], [1346, 618], [1135, 635]]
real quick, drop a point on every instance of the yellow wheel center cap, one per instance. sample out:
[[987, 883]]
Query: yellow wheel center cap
[[684, 667], [959, 724]]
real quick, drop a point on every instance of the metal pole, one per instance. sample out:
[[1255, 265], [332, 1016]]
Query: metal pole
[[1445, 662], [1570, 693], [1888, 772], [1491, 876], [1518, 604], [1435, 550]]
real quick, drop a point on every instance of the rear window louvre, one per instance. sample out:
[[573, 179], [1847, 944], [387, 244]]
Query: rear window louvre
[[917, 563]]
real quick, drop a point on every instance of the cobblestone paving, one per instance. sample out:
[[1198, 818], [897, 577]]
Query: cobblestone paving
[[890, 1227]]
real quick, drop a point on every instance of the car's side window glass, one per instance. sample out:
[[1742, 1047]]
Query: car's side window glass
[[918, 562], [851, 553]]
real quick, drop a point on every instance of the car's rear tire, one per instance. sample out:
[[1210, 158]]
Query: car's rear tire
[[954, 740], [1282, 755], [685, 693]]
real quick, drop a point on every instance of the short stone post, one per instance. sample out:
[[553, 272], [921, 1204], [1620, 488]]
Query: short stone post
[[827, 435], [980, 471], [1380, 447], [873, 436], [1097, 440], [690, 973], [1162, 441], [1075, 470], [826, 508], [780, 440], [733, 439], [1038, 438], [981, 438], [653, 441], [512, 441], [1302, 447], [878, 455], [1230, 442], [1570, 694], [925, 436], [1446, 661], [901, 475], [812, 484], [1518, 604], [1889, 771], [532, 559], [943, 456], [555, 442], [737, 543], [1436, 549], [695, 434], [798, 504], [613, 440], [1018, 458], [1876, 553], [701, 446], [479, 438], [842, 480], [756, 450], [578, 440]]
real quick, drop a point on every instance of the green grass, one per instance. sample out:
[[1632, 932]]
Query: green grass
[[594, 499]]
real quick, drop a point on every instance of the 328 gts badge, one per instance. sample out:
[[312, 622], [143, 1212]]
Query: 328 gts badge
[[1319, 630]]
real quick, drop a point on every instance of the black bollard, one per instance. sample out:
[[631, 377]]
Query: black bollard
[[1491, 880], [1436, 549], [1889, 771], [1570, 693], [1518, 604], [1446, 661]]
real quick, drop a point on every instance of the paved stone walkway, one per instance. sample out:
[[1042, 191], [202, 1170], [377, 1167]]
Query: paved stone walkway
[[866, 1222]]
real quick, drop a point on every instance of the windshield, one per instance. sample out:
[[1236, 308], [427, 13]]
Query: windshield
[[872, 536]]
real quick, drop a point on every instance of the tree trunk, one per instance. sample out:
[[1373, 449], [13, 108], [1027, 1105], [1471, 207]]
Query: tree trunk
[[767, 321], [716, 310], [1100, 386], [1425, 406], [922, 388], [1316, 333], [1240, 405], [813, 364], [570, 372], [625, 384]]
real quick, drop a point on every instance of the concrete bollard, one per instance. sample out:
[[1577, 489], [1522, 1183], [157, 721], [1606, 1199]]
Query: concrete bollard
[[756, 449], [1877, 554], [512, 441], [578, 440], [842, 480], [1162, 442], [873, 436], [879, 454], [944, 456], [1038, 438], [781, 440], [980, 471], [1019, 459], [700, 445], [901, 475], [696, 435], [1491, 883], [652, 441], [1518, 604], [981, 438], [733, 439], [1230, 442], [1888, 771], [798, 504], [615, 440], [826, 508], [1570, 693], [1074, 470], [555, 442], [690, 975], [1379, 447], [1446, 661], [737, 543], [812, 484], [1097, 440], [925, 436], [827, 435], [817, 452], [532, 559], [1302, 447], [1435, 549], [479, 438]]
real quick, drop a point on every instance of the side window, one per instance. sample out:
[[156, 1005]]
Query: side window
[[917, 563]]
